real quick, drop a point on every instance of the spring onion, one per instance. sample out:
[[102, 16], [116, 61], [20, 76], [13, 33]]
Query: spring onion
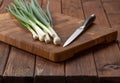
[[39, 23]]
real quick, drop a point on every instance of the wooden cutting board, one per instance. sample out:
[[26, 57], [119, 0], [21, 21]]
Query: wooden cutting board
[[13, 33]]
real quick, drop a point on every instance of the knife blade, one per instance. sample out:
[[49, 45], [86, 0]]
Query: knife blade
[[78, 31]]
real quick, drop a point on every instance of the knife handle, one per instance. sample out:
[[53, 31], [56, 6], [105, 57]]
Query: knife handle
[[89, 21]]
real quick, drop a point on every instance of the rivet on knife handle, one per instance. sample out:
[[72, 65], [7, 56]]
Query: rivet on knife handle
[[77, 32]]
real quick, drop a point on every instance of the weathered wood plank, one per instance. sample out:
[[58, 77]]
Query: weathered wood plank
[[20, 67], [4, 53], [112, 9], [72, 8], [4, 5], [75, 68], [108, 69], [108, 56], [12, 34], [46, 71], [1, 2], [55, 5], [49, 72], [81, 69], [14, 73], [94, 6], [108, 63]]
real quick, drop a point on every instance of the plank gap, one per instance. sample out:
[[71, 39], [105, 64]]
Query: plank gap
[[108, 54], [4, 5], [34, 68], [61, 7], [1, 2], [118, 42], [7, 58], [105, 13], [76, 69], [82, 8]]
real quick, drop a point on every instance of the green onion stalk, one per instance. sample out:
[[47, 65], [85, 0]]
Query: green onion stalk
[[39, 23]]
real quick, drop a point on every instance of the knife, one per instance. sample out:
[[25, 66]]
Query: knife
[[82, 28]]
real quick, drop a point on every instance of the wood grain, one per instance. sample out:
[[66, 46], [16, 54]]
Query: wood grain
[[79, 72], [46, 71], [94, 6], [55, 5], [72, 8], [4, 5], [20, 67], [105, 56], [49, 72], [11, 75], [12, 35], [108, 62], [1, 1], [4, 53], [113, 13], [76, 70]]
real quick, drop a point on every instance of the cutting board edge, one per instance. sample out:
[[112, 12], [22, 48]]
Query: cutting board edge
[[57, 56], [61, 56]]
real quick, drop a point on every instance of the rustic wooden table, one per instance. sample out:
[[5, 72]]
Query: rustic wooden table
[[100, 64]]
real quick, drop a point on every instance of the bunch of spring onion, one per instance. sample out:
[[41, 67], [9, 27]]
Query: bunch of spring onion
[[38, 22]]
